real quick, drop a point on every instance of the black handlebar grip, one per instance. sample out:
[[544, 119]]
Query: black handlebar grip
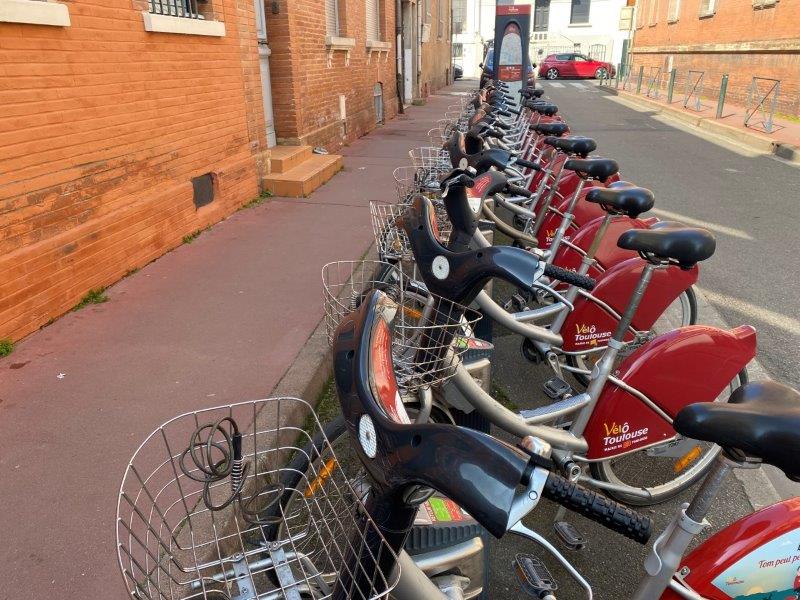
[[518, 191], [582, 281], [495, 133], [528, 164], [600, 509]]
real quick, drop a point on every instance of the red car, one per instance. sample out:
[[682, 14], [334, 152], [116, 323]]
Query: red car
[[574, 65]]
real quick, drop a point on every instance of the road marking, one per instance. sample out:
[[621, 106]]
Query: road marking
[[556, 84], [737, 233], [758, 313], [576, 84]]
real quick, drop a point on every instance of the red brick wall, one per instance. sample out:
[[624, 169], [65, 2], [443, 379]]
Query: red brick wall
[[437, 53], [102, 127], [738, 39], [305, 90]]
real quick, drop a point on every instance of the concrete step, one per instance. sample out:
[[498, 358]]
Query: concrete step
[[300, 181], [285, 158]]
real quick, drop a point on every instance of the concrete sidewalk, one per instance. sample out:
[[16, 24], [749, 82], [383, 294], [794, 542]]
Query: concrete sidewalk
[[216, 321]]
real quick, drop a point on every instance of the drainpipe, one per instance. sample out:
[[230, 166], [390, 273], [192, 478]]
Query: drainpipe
[[398, 20]]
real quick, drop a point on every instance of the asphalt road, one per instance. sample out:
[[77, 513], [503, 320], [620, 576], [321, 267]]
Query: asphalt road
[[749, 202]]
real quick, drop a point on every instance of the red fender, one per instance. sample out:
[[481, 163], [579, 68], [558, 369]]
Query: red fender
[[608, 253], [758, 552], [583, 213], [590, 324], [680, 367]]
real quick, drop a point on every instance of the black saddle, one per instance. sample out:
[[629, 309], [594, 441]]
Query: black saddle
[[573, 144], [529, 92], [596, 168], [557, 128], [685, 245], [547, 110], [631, 201], [761, 420]]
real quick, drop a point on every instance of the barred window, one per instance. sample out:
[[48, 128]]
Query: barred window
[[177, 8], [332, 17], [373, 20], [459, 16]]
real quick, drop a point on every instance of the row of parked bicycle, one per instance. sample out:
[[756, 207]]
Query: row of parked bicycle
[[395, 495]]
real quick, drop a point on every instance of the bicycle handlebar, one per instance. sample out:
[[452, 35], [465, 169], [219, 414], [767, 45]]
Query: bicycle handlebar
[[598, 508], [517, 190], [582, 281], [528, 164]]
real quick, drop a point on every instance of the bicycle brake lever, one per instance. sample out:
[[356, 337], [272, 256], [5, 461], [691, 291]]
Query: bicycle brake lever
[[557, 295]]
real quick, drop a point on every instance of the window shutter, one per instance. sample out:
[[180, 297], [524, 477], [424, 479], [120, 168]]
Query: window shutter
[[332, 17], [641, 7], [373, 21]]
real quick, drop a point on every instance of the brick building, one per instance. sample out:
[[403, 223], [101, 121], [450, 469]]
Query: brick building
[[743, 38], [332, 67], [122, 130], [126, 125]]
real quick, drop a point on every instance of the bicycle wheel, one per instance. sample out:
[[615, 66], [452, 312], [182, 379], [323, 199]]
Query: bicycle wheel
[[664, 470], [681, 313]]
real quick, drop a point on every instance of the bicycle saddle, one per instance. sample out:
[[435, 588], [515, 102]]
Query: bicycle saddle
[[596, 168], [686, 245], [631, 201], [556, 129], [536, 92], [547, 110], [761, 419], [573, 144]]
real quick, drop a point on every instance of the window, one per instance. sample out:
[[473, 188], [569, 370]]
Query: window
[[439, 13], [459, 16], [541, 15], [458, 50], [562, 57], [653, 18], [764, 3], [641, 7], [708, 8], [579, 14], [332, 17], [373, 20], [673, 8], [177, 8]]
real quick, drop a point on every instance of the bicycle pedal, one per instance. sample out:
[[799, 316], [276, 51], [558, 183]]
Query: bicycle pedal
[[569, 535], [534, 577], [557, 389]]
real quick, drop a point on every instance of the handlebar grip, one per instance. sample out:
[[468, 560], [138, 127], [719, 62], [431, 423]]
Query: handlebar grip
[[528, 164], [582, 281], [600, 509], [517, 190], [495, 133]]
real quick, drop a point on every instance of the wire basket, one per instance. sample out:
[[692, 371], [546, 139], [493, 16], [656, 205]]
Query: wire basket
[[429, 333], [414, 180], [196, 522], [390, 237], [433, 159], [346, 283]]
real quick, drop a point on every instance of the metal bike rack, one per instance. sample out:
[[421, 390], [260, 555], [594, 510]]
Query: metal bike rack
[[694, 88], [756, 102], [654, 83], [624, 73]]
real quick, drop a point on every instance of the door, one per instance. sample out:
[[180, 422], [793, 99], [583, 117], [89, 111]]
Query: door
[[263, 59], [584, 67], [565, 65]]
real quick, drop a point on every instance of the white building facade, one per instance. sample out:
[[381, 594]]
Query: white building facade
[[597, 28]]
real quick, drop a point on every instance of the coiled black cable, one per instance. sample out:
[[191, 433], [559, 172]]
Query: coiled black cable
[[229, 465]]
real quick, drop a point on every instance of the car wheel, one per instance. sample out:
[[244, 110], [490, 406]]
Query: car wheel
[[552, 73], [601, 73]]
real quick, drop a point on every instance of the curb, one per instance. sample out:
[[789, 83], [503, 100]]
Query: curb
[[755, 142]]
